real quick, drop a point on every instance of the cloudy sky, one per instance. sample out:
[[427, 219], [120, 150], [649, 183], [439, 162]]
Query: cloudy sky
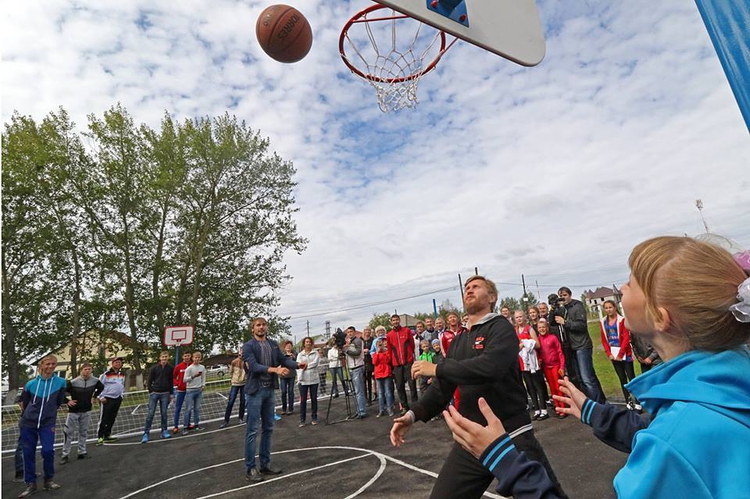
[[554, 172]]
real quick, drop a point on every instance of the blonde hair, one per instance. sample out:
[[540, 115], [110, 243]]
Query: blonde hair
[[379, 328], [491, 288], [696, 282]]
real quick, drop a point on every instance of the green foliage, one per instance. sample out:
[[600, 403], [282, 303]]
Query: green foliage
[[145, 228], [383, 319], [512, 303]]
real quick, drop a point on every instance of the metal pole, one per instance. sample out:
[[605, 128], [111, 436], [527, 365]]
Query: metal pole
[[461, 287], [434, 308]]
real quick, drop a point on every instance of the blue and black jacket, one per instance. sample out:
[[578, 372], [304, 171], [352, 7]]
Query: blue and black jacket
[[41, 399]]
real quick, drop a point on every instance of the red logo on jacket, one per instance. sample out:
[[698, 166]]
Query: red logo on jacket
[[479, 343]]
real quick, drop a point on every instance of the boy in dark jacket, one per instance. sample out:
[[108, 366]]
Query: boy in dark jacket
[[160, 379], [81, 390]]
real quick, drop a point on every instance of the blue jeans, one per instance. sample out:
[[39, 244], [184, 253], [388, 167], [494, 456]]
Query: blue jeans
[[303, 391], [30, 437], [163, 400], [230, 403], [178, 400], [358, 380], [385, 395], [260, 412], [193, 406], [336, 371], [588, 375], [287, 394]]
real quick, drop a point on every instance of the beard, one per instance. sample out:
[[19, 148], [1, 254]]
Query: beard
[[473, 306]]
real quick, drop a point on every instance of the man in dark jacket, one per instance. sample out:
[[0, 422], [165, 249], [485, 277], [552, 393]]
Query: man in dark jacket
[[482, 362], [576, 327], [264, 362], [160, 388], [81, 390]]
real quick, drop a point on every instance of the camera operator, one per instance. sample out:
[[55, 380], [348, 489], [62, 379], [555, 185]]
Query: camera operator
[[369, 368], [574, 326], [354, 348], [557, 309]]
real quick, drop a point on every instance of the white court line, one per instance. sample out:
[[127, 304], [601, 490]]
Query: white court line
[[367, 452], [193, 433]]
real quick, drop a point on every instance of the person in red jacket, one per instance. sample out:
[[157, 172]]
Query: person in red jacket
[[400, 342], [381, 361], [616, 343], [454, 329], [179, 382], [553, 361]]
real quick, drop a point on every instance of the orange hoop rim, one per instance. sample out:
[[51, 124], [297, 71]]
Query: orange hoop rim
[[358, 18]]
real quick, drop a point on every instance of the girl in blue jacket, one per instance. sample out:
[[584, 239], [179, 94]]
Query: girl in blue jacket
[[691, 301]]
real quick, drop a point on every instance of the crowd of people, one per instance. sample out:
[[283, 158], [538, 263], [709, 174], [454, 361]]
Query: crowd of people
[[489, 375]]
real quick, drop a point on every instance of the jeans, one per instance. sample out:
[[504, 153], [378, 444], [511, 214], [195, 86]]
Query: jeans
[[358, 380], [76, 422], [30, 437], [287, 394], [178, 400], [230, 403], [163, 400], [193, 406], [336, 371], [303, 390], [260, 412], [385, 395], [588, 375]]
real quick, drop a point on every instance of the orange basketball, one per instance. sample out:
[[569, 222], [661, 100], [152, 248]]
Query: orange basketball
[[284, 33]]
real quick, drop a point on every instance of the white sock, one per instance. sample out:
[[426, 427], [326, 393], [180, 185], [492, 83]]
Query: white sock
[[544, 412]]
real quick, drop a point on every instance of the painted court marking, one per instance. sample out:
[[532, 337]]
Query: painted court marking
[[383, 458]]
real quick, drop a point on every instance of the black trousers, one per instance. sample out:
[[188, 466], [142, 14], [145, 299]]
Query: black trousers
[[535, 388], [462, 475], [402, 375], [625, 373], [107, 416], [369, 372]]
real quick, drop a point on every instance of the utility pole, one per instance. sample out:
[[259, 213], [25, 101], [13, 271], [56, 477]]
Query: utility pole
[[699, 205], [308, 328], [538, 291], [328, 330], [524, 298]]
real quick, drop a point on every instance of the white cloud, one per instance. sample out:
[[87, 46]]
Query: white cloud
[[554, 171]]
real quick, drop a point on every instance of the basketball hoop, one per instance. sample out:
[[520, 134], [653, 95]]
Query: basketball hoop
[[396, 68], [177, 336]]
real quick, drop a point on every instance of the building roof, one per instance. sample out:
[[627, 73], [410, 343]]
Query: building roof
[[602, 293]]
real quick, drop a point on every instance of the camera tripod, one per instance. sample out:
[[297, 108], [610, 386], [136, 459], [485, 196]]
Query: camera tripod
[[348, 387]]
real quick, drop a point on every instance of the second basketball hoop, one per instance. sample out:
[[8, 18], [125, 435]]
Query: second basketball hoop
[[391, 51]]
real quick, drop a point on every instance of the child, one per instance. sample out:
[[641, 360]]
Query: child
[[531, 369], [381, 360], [616, 342], [553, 361], [691, 301], [438, 352], [428, 355]]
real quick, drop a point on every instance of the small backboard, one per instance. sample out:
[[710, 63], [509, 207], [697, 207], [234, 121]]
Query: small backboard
[[177, 336], [508, 28]]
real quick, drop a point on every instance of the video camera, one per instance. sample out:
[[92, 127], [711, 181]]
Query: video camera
[[339, 337], [556, 305]]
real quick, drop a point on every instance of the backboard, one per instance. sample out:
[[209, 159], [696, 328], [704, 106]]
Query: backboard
[[508, 28], [176, 336]]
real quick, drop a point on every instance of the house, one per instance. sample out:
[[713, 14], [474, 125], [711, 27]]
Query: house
[[97, 347], [595, 299]]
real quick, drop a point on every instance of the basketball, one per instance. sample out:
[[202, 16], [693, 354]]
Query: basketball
[[284, 33]]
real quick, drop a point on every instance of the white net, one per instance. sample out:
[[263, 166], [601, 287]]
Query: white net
[[391, 52]]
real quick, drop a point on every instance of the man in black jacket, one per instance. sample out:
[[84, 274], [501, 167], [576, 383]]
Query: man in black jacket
[[81, 390], [482, 362], [160, 379], [575, 325]]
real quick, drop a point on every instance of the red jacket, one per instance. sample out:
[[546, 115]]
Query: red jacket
[[179, 376], [447, 337], [382, 363], [626, 351], [401, 346], [551, 352]]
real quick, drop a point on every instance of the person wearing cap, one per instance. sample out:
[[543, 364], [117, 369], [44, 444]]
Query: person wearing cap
[[110, 398]]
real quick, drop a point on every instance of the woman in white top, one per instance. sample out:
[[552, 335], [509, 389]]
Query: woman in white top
[[308, 380], [334, 364]]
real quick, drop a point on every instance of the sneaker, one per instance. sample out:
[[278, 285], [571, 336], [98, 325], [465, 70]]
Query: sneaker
[[390, 413], [536, 415], [380, 414], [64, 460], [84, 456], [191, 427], [100, 441], [110, 439], [50, 485], [276, 417], [543, 416], [175, 430], [144, 440], [267, 470], [314, 423], [302, 424], [18, 478], [198, 428], [166, 434], [241, 421], [30, 489], [224, 424], [253, 476], [185, 432]]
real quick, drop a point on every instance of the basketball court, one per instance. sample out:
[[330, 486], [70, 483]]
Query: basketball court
[[343, 460]]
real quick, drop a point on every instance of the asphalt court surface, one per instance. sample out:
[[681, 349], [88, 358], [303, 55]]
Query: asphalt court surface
[[343, 460]]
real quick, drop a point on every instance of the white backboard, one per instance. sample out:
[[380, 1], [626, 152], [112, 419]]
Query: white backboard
[[508, 28], [176, 336]]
